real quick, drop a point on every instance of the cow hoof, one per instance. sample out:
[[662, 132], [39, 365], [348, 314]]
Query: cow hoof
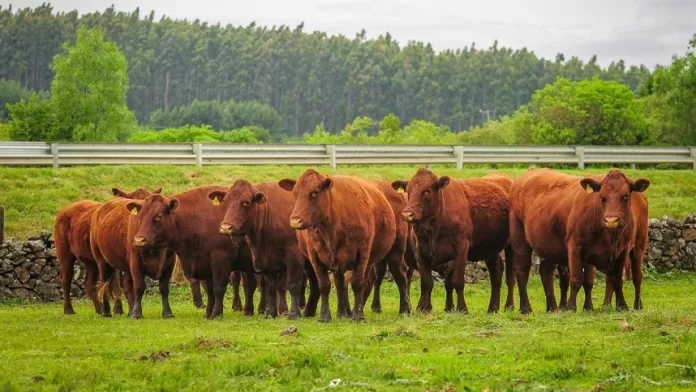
[[199, 306], [587, 308], [324, 320], [68, 311], [377, 310], [248, 312], [269, 316], [107, 315], [136, 316], [525, 310], [167, 316], [293, 316]]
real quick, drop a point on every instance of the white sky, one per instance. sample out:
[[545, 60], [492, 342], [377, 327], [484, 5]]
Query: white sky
[[639, 31]]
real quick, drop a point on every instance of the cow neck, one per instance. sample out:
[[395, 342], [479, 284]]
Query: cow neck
[[260, 228], [612, 238], [182, 224], [328, 228], [431, 227]]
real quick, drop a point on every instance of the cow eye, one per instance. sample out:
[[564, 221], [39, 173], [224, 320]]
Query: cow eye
[[426, 192], [314, 194], [602, 199], [158, 217], [625, 197], [246, 203]]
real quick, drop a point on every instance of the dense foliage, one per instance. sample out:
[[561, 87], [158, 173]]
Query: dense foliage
[[87, 100], [219, 116], [201, 134], [306, 78]]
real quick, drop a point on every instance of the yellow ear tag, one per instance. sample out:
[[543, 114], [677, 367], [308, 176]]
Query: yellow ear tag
[[401, 190], [589, 189], [134, 211], [216, 202]]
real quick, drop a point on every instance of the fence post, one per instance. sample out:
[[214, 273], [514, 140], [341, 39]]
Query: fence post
[[54, 152], [580, 153], [693, 155], [2, 224], [198, 150], [459, 153], [331, 152]]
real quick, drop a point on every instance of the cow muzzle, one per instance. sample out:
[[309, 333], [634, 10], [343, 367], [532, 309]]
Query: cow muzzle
[[612, 223], [140, 242], [226, 229], [297, 224], [408, 216]]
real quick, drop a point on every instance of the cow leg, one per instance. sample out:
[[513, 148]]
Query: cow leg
[[211, 298], [118, 304], [509, 278], [303, 289], [425, 303], [617, 281], [281, 292], [128, 291], [67, 273], [459, 273], [576, 275], [310, 309], [380, 270], [324, 290], [564, 284], [163, 282], [263, 295], [358, 284], [449, 290], [397, 268], [295, 281], [105, 274], [249, 284], [495, 268], [546, 270], [271, 295], [587, 285], [343, 307], [636, 269], [221, 279], [236, 277], [138, 290], [522, 260], [195, 285], [91, 277]]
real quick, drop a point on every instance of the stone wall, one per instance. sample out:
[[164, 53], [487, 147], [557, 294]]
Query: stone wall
[[29, 270]]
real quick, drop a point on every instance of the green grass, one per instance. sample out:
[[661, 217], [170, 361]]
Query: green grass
[[33, 196], [602, 350]]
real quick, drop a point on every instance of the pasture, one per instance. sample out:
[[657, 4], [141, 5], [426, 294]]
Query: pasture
[[33, 196], [602, 350]]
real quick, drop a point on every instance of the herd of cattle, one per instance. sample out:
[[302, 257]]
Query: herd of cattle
[[287, 235]]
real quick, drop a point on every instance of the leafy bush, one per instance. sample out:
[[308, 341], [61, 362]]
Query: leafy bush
[[197, 134]]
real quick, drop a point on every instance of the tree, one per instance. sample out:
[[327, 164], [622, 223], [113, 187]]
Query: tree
[[89, 90], [33, 119], [10, 92]]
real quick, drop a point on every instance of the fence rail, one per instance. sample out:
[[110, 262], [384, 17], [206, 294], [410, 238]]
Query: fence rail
[[68, 154]]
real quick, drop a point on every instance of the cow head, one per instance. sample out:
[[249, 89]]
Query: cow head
[[312, 198], [156, 217], [614, 195], [423, 195], [240, 202], [138, 194]]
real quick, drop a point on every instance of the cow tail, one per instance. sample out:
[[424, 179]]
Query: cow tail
[[111, 287], [178, 273]]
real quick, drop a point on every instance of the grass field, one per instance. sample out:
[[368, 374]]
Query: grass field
[[33, 196], [600, 351]]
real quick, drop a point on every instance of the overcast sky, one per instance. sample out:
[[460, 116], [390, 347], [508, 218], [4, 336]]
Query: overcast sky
[[639, 31]]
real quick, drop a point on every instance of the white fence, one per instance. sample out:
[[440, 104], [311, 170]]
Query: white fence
[[65, 154]]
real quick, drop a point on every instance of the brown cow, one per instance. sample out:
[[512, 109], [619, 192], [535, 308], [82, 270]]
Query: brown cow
[[189, 224], [632, 270], [356, 225], [71, 233], [458, 220], [260, 213], [578, 220], [112, 238]]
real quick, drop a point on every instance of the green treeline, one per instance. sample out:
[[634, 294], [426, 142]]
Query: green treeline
[[306, 78]]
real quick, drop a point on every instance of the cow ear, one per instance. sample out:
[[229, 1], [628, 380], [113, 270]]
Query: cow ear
[[157, 191], [326, 184], [216, 197], [173, 203], [640, 185], [119, 193], [287, 184], [134, 207], [259, 197], [399, 186], [590, 185], [442, 182]]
